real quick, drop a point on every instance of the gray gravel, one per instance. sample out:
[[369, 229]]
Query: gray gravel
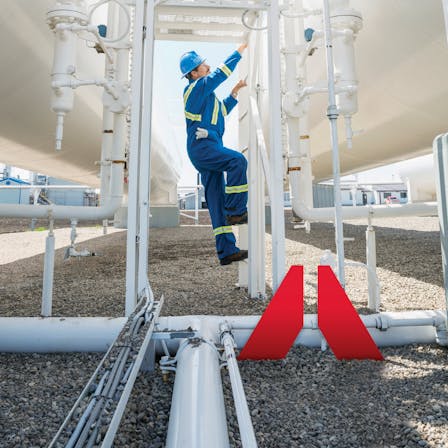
[[307, 400]]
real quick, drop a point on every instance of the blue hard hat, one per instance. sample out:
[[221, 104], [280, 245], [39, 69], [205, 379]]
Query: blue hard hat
[[189, 61]]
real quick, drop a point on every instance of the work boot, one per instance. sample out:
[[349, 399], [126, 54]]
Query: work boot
[[235, 220], [237, 256]]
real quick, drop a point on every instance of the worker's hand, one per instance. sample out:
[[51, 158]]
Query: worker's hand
[[241, 48], [239, 85], [201, 133]]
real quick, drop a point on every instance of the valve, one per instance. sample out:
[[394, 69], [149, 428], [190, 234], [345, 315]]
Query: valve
[[64, 59]]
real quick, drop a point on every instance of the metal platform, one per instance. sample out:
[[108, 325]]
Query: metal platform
[[206, 21]]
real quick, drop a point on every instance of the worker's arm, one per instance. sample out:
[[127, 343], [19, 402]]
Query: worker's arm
[[209, 83], [231, 101]]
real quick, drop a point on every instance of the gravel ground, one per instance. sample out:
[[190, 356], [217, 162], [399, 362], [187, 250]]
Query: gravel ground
[[307, 400]]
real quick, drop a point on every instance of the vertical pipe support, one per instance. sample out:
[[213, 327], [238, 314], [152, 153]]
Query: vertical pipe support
[[145, 147], [374, 293], [252, 206], [196, 205], [332, 114], [445, 13], [47, 287], [132, 244], [440, 151], [276, 151]]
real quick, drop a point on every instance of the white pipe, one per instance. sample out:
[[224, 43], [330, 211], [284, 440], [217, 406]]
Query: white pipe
[[197, 416], [134, 156], [299, 160], [445, 13], [377, 211], [46, 187], [256, 204], [332, 114], [374, 293], [94, 334], [245, 425], [144, 193], [62, 211], [196, 205], [276, 152], [440, 151], [108, 133], [58, 334], [47, 287]]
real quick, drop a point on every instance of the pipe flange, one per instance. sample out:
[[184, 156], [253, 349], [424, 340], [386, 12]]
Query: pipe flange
[[383, 323], [347, 19], [123, 100], [294, 108], [68, 12]]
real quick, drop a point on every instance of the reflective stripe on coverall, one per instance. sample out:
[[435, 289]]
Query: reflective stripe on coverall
[[211, 158]]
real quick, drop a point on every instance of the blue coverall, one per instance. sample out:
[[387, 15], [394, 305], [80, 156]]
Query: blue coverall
[[211, 158]]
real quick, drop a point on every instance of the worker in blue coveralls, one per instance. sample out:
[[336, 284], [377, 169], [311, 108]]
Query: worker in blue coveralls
[[204, 113]]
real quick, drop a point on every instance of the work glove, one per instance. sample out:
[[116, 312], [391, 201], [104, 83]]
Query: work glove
[[201, 133]]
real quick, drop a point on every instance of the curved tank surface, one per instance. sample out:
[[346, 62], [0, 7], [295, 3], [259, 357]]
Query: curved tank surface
[[401, 55], [27, 124]]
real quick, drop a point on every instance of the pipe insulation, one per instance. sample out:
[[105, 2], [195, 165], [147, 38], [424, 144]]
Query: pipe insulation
[[198, 416], [58, 334], [95, 334], [374, 211]]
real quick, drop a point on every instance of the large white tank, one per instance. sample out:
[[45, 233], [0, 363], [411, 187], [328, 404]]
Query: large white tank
[[402, 65], [419, 175], [27, 125]]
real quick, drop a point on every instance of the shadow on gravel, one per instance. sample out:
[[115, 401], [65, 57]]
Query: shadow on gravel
[[85, 286], [410, 253], [310, 399]]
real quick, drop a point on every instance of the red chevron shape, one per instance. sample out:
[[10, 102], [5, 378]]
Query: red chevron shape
[[339, 322], [281, 322]]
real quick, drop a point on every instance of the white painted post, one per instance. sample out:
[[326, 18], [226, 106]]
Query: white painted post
[[196, 205], [47, 288], [445, 13], [132, 244], [145, 147], [332, 114], [374, 293], [253, 206], [276, 152]]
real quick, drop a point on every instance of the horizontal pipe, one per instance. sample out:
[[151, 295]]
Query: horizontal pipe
[[376, 211], [58, 334], [91, 334], [46, 187], [62, 211]]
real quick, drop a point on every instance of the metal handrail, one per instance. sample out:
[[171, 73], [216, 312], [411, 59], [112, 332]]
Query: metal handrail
[[261, 142]]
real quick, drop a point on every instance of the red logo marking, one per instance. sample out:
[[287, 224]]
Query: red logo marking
[[280, 323], [338, 321]]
